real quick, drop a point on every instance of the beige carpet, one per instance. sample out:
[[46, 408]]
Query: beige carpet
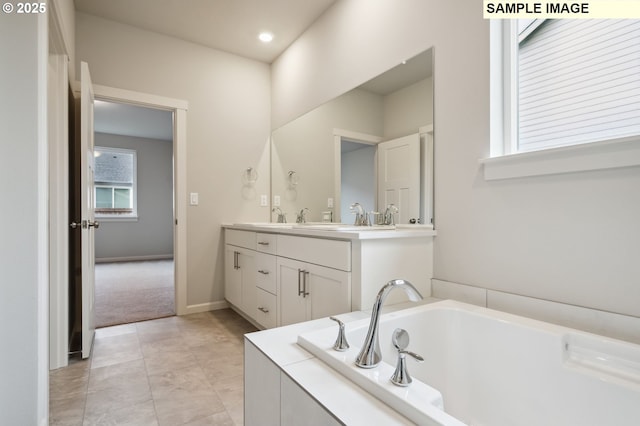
[[129, 292]]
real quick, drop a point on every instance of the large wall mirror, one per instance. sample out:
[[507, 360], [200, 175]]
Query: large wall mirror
[[372, 146]]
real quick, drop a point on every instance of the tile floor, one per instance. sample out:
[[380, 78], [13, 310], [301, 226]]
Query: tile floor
[[185, 370]]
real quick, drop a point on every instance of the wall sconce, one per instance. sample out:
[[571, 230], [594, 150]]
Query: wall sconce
[[249, 177], [292, 179]]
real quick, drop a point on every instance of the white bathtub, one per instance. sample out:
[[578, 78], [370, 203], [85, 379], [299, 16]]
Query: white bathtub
[[484, 367]]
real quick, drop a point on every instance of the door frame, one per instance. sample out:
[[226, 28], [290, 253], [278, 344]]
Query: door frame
[[179, 108], [58, 147], [58, 289], [338, 135]]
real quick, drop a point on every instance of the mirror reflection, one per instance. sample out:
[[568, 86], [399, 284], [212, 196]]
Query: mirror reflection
[[372, 146]]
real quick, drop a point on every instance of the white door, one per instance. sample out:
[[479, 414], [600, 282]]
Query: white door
[[88, 214], [399, 176]]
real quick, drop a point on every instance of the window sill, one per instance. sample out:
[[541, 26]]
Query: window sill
[[117, 218], [570, 159]]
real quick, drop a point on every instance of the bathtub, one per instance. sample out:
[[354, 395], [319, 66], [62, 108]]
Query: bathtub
[[488, 368]]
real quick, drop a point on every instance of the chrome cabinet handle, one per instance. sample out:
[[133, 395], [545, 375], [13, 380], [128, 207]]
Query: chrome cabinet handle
[[263, 243], [302, 283], [263, 272], [300, 290], [305, 293], [236, 260], [261, 309]]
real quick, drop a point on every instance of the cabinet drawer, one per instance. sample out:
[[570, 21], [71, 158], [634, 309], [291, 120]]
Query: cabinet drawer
[[266, 272], [246, 239], [266, 243], [332, 253], [265, 313]]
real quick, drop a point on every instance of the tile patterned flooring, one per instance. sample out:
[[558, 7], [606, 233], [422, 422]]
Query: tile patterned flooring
[[185, 370]]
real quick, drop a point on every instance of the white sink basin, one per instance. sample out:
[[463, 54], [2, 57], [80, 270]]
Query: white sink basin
[[327, 226], [416, 226], [266, 225]]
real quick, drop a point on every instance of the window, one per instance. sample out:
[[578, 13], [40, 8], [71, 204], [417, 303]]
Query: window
[[560, 83], [115, 182], [578, 81]]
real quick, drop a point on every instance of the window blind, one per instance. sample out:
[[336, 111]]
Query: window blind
[[578, 82]]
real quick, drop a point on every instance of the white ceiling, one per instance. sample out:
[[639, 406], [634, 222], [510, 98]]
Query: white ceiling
[[229, 25]]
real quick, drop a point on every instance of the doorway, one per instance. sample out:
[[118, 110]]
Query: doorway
[[134, 193], [61, 289], [358, 177]]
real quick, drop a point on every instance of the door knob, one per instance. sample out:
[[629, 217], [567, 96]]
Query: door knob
[[85, 224]]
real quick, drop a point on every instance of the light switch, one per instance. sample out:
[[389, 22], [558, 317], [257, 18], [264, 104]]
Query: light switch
[[330, 202], [276, 200], [263, 200], [193, 198]]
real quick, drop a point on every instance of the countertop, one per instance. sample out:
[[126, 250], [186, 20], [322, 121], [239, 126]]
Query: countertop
[[337, 231]]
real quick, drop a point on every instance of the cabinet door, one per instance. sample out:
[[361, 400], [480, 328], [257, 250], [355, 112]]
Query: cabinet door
[[329, 291], [292, 307], [248, 270], [240, 278], [232, 276]]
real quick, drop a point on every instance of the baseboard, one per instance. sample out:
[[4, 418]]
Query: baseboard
[[205, 307], [134, 258]]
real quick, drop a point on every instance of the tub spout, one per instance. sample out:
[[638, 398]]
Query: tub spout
[[370, 354]]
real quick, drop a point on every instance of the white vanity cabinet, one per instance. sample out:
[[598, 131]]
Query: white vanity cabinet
[[279, 276]]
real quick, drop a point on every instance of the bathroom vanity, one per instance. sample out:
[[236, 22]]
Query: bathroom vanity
[[281, 274]]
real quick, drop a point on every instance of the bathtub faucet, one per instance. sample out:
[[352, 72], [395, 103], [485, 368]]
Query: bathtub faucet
[[370, 354]]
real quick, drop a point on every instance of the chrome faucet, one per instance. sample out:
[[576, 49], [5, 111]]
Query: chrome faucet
[[370, 355], [361, 216], [389, 218], [282, 217], [302, 216]]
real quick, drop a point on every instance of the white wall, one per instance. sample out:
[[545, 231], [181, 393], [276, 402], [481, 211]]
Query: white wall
[[227, 128], [152, 234], [565, 238], [23, 238], [408, 109]]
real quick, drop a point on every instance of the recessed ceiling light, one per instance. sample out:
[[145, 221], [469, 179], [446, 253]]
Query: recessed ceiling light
[[265, 37]]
